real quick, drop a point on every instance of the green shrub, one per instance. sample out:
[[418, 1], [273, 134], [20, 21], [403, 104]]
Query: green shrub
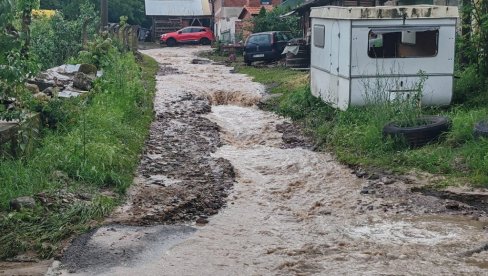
[[55, 39], [273, 21], [469, 88], [97, 148]]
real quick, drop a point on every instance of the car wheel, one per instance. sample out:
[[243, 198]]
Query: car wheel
[[205, 41], [171, 42], [416, 136]]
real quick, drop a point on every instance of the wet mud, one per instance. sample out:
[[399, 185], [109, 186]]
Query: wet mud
[[178, 179], [115, 245], [190, 182], [252, 197]]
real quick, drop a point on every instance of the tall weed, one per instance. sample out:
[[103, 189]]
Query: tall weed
[[99, 149]]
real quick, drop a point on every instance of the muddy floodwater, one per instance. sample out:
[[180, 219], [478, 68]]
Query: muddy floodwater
[[220, 191]]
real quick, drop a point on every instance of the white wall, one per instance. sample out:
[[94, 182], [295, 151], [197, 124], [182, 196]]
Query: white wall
[[330, 65], [227, 22], [343, 74]]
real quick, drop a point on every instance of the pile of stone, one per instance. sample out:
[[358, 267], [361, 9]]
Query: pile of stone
[[64, 81]]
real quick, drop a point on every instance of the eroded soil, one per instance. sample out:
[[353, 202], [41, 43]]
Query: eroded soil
[[240, 191]]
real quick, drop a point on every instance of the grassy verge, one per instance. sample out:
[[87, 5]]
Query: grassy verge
[[355, 135], [80, 168]]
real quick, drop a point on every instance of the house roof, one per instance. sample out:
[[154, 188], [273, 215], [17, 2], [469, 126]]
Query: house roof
[[254, 10], [178, 7]]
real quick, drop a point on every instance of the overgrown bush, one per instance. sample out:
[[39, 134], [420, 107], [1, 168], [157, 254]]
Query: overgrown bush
[[55, 39], [98, 150], [271, 21], [96, 52], [469, 88], [16, 64], [472, 54]]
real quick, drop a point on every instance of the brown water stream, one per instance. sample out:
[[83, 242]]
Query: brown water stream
[[291, 211]]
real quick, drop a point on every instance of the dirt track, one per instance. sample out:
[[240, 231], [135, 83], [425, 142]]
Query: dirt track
[[282, 208]]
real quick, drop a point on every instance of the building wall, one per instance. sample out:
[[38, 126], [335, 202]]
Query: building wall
[[227, 24]]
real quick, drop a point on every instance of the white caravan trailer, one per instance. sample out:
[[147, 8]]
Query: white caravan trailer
[[364, 54]]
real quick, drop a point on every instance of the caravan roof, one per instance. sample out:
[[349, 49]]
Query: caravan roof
[[385, 12]]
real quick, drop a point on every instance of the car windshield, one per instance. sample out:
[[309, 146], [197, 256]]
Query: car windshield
[[260, 39]]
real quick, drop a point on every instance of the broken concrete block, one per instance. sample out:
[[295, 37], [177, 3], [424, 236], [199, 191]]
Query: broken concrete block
[[34, 89], [41, 96], [25, 202], [88, 69], [82, 81]]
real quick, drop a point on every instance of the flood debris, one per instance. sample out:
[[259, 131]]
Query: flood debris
[[475, 251], [294, 137], [200, 61], [20, 203], [64, 81], [180, 180], [165, 70]]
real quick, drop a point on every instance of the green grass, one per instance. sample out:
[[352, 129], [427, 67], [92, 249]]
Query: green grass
[[355, 136], [97, 151]]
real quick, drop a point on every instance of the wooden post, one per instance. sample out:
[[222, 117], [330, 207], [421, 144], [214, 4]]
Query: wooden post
[[135, 38], [103, 14]]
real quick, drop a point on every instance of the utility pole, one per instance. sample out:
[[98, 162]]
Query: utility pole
[[212, 20], [103, 14]]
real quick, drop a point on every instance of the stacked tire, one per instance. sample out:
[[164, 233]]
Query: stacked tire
[[301, 59], [481, 129]]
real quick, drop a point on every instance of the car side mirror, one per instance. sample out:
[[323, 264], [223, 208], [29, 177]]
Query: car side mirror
[[179, 32]]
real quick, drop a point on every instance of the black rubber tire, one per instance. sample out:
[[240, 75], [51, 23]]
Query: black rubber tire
[[300, 60], [481, 129], [205, 41], [171, 42], [419, 135]]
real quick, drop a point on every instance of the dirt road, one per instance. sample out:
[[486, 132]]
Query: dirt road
[[220, 192]]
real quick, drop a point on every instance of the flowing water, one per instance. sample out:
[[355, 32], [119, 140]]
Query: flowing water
[[291, 211]]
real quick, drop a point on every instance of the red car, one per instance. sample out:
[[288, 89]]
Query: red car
[[202, 35]]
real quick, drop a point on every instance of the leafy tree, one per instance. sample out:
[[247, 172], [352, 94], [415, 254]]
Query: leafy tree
[[474, 39], [271, 21], [133, 9], [15, 63], [56, 39], [472, 54]]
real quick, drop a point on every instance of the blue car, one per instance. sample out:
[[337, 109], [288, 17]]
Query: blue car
[[265, 46]]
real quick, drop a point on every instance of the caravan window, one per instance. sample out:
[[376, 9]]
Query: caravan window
[[403, 43], [319, 36]]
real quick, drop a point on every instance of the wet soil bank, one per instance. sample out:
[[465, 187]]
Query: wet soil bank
[[283, 209]]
